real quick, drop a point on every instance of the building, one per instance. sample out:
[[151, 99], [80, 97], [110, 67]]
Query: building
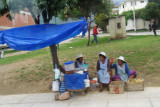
[[130, 4], [20, 19], [117, 27]]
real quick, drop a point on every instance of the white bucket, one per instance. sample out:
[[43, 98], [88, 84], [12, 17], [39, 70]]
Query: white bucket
[[55, 86], [87, 82]]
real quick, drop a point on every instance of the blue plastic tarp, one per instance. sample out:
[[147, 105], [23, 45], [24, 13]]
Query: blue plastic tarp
[[75, 81], [35, 37]]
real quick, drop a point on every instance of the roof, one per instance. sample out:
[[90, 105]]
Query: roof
[[130, 1]]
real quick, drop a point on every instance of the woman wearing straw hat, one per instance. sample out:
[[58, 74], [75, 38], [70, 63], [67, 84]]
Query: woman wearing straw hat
[[122, 71], [79, 61], [103, 69]]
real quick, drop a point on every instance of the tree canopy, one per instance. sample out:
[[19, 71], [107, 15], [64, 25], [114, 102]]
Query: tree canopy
[[151, 11], [87, 9]]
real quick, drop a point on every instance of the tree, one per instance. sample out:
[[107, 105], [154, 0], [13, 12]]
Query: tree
[[87, 9], [151, 11], [102, 21], [10, 6], [46, 8], [156, 1], [50, 8]]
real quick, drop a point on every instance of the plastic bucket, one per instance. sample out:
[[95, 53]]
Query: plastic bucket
[[93, 85], [69, 66], [87, 82]]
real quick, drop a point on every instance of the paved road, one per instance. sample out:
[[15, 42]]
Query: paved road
[[148, 98]]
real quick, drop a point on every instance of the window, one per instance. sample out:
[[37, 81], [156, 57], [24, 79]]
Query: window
[[142, 1], [133, 3], [119, 25], [123, 6]]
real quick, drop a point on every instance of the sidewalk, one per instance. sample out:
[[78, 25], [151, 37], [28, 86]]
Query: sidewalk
[[143, 33], [148, 98]]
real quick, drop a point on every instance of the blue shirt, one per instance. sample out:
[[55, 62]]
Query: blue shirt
[[126, 69]]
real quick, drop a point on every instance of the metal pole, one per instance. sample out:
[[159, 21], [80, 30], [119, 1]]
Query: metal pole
[[134, 15], [1, 54]]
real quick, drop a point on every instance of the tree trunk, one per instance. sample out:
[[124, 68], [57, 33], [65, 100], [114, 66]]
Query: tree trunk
[[55, 60], [89, 26]]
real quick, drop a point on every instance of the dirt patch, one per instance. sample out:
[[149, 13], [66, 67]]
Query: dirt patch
[[36, 75], [11, 83], [16, 53]]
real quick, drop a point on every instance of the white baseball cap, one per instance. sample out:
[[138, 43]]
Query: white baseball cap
[[121, 58], [79, 56], [102, 53]]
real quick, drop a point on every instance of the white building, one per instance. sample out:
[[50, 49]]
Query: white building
[[130, 4]]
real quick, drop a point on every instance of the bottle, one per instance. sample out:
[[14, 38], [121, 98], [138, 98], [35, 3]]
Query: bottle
[[57, 72]]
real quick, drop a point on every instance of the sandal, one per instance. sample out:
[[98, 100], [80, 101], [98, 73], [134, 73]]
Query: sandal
[[100, 90]]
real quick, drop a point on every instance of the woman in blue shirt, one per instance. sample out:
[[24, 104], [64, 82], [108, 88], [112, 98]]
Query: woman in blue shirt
[[122, 71]]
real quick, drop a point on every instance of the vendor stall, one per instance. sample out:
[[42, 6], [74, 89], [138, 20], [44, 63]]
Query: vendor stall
[[75, 82], [75, 77]]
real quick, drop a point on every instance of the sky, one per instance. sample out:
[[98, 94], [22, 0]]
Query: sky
[[117, 1]]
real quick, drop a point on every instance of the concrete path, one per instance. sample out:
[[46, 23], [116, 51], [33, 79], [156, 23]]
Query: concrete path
[[143, 33], [148, 98]]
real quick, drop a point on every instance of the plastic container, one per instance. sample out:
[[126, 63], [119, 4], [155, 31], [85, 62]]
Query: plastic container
[[69, 66], [87, 83], [84, 67], [93, 85], [55, 86], [57, 73]]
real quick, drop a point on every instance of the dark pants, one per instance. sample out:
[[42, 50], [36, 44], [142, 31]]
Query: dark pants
[[150, 29], [95, 38], [154, 30]]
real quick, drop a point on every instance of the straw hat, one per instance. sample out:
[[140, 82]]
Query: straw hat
[[102, 53], [121, 58], [79, 56]]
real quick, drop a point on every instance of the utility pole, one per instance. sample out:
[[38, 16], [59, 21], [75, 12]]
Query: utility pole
[[134, 14]]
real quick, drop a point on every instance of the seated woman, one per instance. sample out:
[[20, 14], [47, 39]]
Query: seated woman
[[79, 61], [122, 72], [103, 69]]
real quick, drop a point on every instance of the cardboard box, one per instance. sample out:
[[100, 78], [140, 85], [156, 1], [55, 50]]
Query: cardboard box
[[116, 87], [135, 85]]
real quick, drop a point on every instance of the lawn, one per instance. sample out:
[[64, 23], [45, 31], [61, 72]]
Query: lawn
[[140, 52]]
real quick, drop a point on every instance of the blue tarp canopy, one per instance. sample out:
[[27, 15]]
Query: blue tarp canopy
[[35, 37]]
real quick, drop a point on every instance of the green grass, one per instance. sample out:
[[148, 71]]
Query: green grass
[[11, 51], [25, 56], [141, 53]]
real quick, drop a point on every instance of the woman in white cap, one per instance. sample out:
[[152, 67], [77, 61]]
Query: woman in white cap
[[122, 71], [103, 69], [79, 61]]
